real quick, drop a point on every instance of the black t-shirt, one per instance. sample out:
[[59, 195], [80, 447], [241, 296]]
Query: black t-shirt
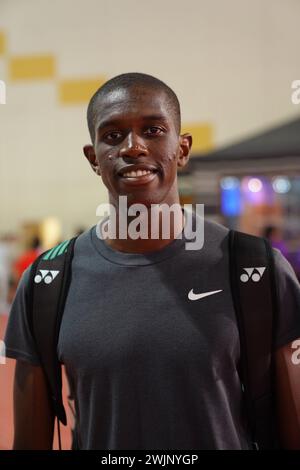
[[151, 366]]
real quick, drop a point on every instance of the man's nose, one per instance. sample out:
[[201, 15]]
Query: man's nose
[[133, 146]]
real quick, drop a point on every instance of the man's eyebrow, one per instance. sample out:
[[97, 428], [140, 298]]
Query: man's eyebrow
[[116, 121], [107, 123], [155, 117]]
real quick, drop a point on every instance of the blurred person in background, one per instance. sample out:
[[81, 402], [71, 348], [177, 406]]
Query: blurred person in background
[[5, 269], [275, 237], [27, 257]]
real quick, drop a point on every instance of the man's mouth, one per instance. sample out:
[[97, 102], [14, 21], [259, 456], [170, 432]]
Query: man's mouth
[[137, 174]]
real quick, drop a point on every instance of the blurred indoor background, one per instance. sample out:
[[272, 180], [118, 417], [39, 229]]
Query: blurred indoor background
[[232, 65]]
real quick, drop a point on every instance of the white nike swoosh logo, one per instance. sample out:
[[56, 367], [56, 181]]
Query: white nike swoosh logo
[[193, 296]]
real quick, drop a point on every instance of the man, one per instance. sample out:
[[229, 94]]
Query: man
[[149, 366]]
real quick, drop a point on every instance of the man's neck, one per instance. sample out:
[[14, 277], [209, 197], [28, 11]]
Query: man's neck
[[156, 236]]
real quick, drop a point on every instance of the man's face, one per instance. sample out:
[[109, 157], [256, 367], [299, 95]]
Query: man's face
[[137, 148]]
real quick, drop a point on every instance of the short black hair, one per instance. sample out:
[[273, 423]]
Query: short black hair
[[128, 80]]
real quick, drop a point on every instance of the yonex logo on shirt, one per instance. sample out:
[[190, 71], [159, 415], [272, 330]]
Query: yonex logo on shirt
[[45, 275], [253, 273]]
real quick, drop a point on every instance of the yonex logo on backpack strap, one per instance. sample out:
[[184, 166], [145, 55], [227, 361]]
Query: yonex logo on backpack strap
[[57, 250], [45, 275], [253, 273]]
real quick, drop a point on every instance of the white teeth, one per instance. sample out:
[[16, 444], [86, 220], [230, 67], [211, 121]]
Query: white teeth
[[135, 174]]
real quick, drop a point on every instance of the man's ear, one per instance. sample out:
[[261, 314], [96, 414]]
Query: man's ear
[[89, 152], [185, 143]]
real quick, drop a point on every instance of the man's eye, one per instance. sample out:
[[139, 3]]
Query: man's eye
[[115, 135], [154, 130]]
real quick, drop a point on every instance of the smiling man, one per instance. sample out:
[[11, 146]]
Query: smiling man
[[149, 336], [137, 148]]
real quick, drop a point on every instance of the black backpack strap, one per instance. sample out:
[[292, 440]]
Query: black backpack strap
[[254, 294], [50, 278]]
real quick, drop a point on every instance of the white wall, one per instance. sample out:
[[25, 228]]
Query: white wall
[[231, 63]]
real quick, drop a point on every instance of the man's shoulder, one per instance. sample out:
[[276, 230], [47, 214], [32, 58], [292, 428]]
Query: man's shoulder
[[214, 231], [84, 248], [84, 239], [211, 223], [214, 227], [211, 235]]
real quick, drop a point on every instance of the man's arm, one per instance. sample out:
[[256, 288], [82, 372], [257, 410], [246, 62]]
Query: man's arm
[[287, 363], [33, 416]]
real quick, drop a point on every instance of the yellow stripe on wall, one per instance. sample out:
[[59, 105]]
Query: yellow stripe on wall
[[79, 91], [2, 43], [202, 136], [32, 67]]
